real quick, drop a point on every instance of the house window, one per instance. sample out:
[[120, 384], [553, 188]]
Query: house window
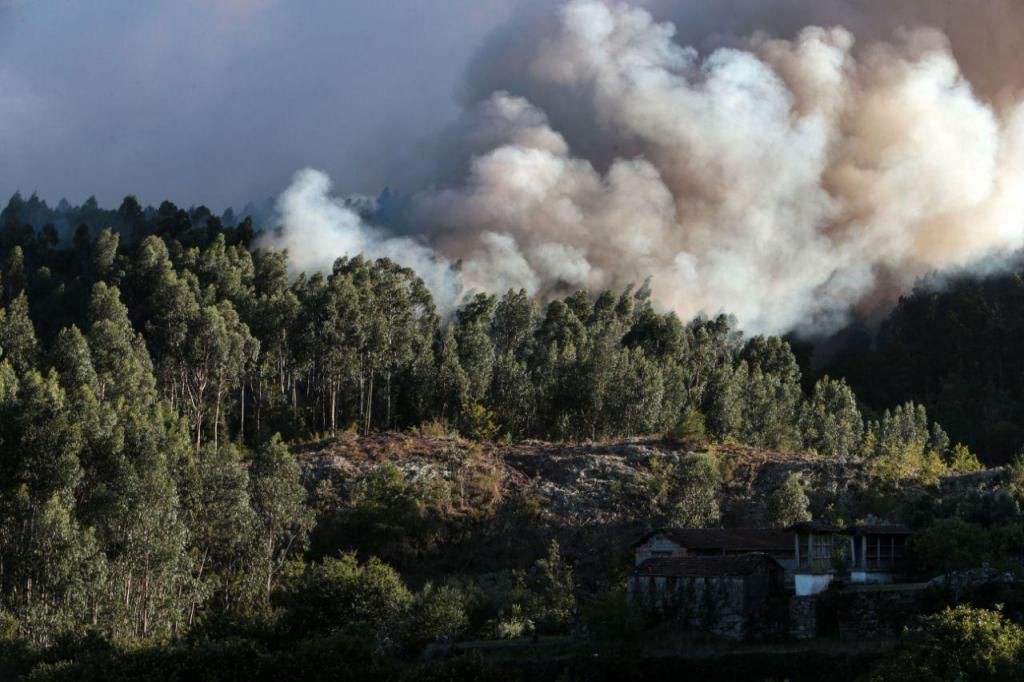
[[662, 554]]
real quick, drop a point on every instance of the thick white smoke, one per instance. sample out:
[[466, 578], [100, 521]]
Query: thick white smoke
[[785, 181], [317, 229]]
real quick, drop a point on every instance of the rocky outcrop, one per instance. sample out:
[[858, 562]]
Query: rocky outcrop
[[591, 483], [499, 505]]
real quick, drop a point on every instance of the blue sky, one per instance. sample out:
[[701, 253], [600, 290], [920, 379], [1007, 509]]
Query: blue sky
[[221, 101]]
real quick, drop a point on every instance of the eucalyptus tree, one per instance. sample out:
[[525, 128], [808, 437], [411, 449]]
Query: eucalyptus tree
[[723, 401], [134, 447], [279, 500], [17, 334], [830, 420], [476, 348], [398, 324], [451, 386], [223, 539], [48, 560], [512, 324]]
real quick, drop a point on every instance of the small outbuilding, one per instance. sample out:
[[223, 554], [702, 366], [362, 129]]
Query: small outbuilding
[[878, 553], [729, 596], [814, 545], [679, 542]]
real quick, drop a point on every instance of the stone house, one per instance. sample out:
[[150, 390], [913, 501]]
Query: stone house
[[867, 554], [689, 542], [878, 553], [816, 559], [731, 596], [731, 582]]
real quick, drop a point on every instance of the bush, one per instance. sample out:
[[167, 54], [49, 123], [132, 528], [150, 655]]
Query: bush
[[548, 592], [394, 518], [511, 625], [961, 643], [685, 494], [613, 617], [788, 503], [341, 593], [434, 428], [1016, 478], [437, 613], [949, 545], [963, 461], [478, 423], [690, 431]]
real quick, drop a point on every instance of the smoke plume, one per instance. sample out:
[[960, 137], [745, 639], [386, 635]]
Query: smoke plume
[[788, 174], [318, 228]]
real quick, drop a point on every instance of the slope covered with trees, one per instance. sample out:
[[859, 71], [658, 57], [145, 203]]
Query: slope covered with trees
[[954, 345], [241, 351], [153, 373]]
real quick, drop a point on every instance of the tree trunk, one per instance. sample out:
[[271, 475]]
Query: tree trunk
[[241, 402], [387, 421], [216, 420], [369, 407], [334, 407], [362, 395], [259, 413]]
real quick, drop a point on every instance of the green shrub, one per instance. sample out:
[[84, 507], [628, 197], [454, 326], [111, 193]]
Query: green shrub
[[1015, 482], [478, 422], [691, 430], [613, 617], [788, 503], [959, 644], [341, 593], [511, 625], [437, 613], [548, 592], [963, 461]]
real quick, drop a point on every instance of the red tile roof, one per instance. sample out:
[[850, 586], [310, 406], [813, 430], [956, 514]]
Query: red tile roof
[[881, 529], [726, 539], [706, 566], [814, 527]]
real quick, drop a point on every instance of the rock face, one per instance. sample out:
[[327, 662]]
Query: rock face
[[582, 484], [877, 612], [509, 501], [803, 617]]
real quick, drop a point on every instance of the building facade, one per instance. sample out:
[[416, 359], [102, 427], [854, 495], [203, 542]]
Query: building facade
[[729, 596]]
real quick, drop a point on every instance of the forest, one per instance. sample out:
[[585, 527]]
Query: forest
[[159, 373]]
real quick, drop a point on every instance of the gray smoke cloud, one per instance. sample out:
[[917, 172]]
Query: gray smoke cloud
[[791, 173], [318, 228]]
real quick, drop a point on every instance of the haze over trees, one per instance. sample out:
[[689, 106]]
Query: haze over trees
[[241, 351], [152, 375]]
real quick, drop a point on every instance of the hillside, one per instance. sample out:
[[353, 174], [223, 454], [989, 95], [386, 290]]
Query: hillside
[[499, 504]]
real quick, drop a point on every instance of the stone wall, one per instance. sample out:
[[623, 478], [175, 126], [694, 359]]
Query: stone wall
[[803, 617], [877, 612]]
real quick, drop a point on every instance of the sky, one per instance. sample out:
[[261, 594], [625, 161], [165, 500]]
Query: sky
[[706, 145], [219, 102]]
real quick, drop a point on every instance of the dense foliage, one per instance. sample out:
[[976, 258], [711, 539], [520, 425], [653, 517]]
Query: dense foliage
[[953, 345], [962, 643], [154, 363], [241, 351]]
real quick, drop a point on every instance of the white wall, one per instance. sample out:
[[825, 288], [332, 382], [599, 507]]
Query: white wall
[[808, 584], [870, 577]]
